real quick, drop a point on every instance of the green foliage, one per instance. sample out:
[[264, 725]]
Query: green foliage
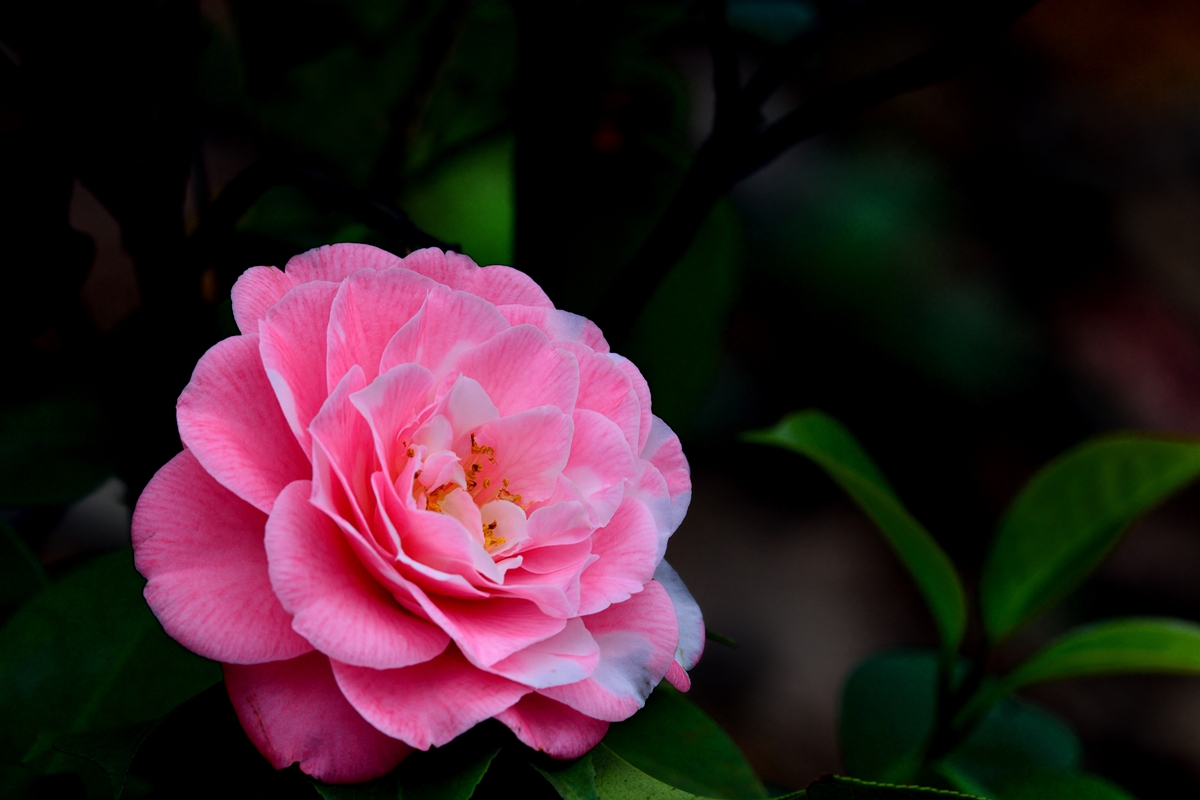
[[444, 773], [617, 779], [836, 787], [825, 441], [20, 573], [85, 653], [574, 782], [1051, 786], [678, 744], [112, 749], [1070, 516], [51, 452]]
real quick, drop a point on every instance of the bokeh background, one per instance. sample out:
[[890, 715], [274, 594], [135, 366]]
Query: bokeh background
[[973, 277]]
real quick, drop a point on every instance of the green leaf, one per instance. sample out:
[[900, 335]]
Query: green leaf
[[837, 787], [617, 779], [1070, 516], [1112, 647], [575, 782], [443, 773], [21, 575], [887, 714], [1061, 786], [825, 441], [86, 653], [112, 749], [678, 744]]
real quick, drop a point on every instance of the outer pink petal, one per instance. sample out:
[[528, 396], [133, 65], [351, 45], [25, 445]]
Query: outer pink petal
[[255, 291], [687, 614], [427, 705], [629, 550], [566, 657], [677, 676], [293, 711], [447, 325], [549, 726], [560, 326], [292, 346], [607, 389], [637, 645], [230, 420], [369, 308], [201, 549], [500, 285], [642, 389], [335, 262], [662, 449], [338, 606], [447, 268], [519, 369]]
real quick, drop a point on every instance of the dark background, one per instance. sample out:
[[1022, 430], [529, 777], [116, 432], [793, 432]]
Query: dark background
[[973, 277]]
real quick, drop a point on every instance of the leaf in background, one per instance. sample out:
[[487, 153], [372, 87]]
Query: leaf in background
[[887, 714], [51, 452], [111, 749], [836, 787], [1049, 786], [1112, 647], [87, 653], [1070, 515], [617, 779], [677, 743], [1015, 738], [576, 782], [824, 440], [21, 575]]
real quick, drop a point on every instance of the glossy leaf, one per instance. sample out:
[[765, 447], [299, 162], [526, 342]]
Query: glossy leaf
[[112, 749], [86, 653], [677, 743], [887, 714], [21, 576], [1070, 516], [51, 452], [617, 779], [1061, 786], [836, 787], [825, 441], [575, 782]]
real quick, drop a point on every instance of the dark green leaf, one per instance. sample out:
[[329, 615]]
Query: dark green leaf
[[836, 787], [677, 743], [20, 573], [1062, 786], [887, 714], [575, 782], [112, 749], [444, 773], [1070, 515], [1015, 738], [825, 441], [86, 653], [51, 452], [617, 779]]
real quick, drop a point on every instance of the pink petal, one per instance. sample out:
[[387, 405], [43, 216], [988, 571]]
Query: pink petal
[[446, 326], [389, 404], [427, 705], [607, 389], [531, 449], [369, 308], [629, 550], [336, 262], [637, 644], [687, 615], [662, 449], [343, 458], [449, 268], [643, 394], [338, 606], [292, 347], [201, 549], [560, 326], [519, 369], [555, 729], [230, 420], [566, 657], [466, 406], [677, 676], [560, 522], [254, 292], [555, 593], [600, 463], [499, 285], [491, 629], [551, 558], [293, 711]]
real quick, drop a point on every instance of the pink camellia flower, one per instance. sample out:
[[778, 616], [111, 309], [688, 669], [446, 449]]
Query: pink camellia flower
[[415, 496]]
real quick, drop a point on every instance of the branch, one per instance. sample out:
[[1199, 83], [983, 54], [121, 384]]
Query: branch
[[723, 160]]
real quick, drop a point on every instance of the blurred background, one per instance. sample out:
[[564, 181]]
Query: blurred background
[[973, 277]]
